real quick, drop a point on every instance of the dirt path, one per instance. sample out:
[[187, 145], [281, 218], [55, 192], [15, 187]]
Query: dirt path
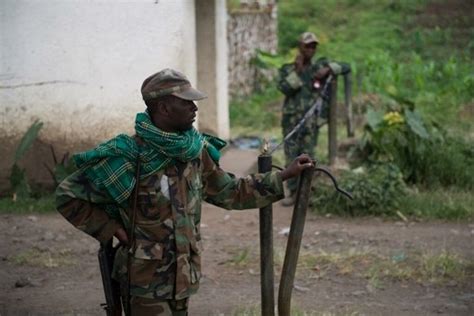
[[47, 267]]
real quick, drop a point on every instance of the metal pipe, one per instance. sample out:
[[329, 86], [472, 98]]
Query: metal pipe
[[348, 102], [294, 242], [332, 124], [266, 246]]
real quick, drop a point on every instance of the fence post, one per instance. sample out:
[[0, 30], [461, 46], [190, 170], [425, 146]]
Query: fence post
[[266, 246], [332, 124]]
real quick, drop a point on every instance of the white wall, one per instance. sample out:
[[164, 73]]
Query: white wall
[[78, 65], [212, 66]]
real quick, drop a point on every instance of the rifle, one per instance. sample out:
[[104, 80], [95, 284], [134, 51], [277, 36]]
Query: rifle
[[106, 256], [315, 109]]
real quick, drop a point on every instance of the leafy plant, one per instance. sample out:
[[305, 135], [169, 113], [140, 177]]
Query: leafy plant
[[377, 190], [18, 180], [62, 168], [419, 148]]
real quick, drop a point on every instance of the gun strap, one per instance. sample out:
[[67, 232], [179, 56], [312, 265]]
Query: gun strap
[[131, 234]]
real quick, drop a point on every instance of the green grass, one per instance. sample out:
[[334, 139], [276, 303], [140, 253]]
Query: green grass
[[434, 268], [254, 310], [450, 204], [400, 53], [43, 258], [43, 204]]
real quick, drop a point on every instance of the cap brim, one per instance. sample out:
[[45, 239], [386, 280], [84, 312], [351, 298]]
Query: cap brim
[[190, 94], [310, 41]]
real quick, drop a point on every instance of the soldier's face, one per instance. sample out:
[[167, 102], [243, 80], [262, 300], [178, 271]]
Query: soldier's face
[[181, 114], [308, 50]]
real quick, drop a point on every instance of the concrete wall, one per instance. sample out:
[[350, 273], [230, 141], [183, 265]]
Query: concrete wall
[[211, 30], [251, 26], [78, 65]]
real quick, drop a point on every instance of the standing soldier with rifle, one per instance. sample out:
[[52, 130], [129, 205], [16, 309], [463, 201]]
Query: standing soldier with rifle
[[301, 82], [147, 190]]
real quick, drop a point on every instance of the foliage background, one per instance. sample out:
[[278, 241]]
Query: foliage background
[[411, 58]]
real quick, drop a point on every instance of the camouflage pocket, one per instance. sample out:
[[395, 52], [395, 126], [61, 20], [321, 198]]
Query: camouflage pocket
[[146, 259], [195, 264], [195, 188]]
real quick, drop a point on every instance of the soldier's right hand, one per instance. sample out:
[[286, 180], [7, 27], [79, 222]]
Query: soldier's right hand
[[322, 73], [121, 235], [299, 63], [297, 166]]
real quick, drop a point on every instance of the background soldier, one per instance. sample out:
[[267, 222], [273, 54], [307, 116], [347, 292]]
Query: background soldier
[[178, 169], [296, 81]]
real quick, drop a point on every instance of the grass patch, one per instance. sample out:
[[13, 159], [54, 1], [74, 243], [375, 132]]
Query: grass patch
[[451, 204], [44, 204], [254, 310], [240, 258], [258, 112], [43, 258], [431, 268]]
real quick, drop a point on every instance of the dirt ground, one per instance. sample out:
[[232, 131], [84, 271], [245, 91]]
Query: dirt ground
[[47, 267]]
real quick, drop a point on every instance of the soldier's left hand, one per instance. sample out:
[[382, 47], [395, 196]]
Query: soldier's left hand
[[121, 235], [294, 169], [322, 73]]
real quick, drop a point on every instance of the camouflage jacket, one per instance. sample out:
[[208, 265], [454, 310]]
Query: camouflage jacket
[[166, 255], [298, 88]]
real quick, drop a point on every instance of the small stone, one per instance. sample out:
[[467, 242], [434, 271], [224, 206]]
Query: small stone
[[61, 237], [284, 231], [358, 293], [48, 236], [33, 218], [22, 282], [253, 272], [300, 288]]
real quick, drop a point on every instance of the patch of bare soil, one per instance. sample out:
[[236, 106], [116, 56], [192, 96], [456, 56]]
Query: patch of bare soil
[[48, 267]]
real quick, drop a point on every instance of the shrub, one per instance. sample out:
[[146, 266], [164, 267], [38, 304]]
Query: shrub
[[421, 149], [377, 190]]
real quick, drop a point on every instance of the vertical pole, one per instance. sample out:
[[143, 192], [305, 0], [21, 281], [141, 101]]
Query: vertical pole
[[332, 124], [294, 243], [266, 247], [348, 102]]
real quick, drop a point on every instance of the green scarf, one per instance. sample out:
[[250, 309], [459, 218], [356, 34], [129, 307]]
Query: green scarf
[[111, 165]]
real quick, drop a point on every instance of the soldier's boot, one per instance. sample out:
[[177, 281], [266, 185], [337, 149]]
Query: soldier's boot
[[289, 200]]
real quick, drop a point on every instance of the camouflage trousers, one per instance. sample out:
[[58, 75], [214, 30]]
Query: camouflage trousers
[[140, 306], [302, 142]]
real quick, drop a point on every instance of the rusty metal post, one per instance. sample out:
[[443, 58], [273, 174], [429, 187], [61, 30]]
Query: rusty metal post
[[332, 124], [294, 243], [266, 246], [348, 103]]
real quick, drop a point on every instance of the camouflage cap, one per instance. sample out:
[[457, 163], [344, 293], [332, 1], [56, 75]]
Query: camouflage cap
[[169, 82], [308, 37]]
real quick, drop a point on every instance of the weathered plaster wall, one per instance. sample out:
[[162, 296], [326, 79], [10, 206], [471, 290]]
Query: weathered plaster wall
[[252, 26], [78, 65], [212, 66]]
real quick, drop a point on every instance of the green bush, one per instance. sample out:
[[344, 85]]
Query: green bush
[[254, 111], [377, 190], [449, 163], [441, 203], [418, 147]]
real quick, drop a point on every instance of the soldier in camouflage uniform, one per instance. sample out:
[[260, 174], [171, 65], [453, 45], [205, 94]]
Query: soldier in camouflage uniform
[[296, 81], [179, 167]]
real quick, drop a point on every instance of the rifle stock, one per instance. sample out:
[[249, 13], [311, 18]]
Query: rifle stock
[[106, 256]]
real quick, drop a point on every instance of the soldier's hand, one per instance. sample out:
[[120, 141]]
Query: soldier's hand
[[121, 236], [299, 63], [322, 73], [294, 169]]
